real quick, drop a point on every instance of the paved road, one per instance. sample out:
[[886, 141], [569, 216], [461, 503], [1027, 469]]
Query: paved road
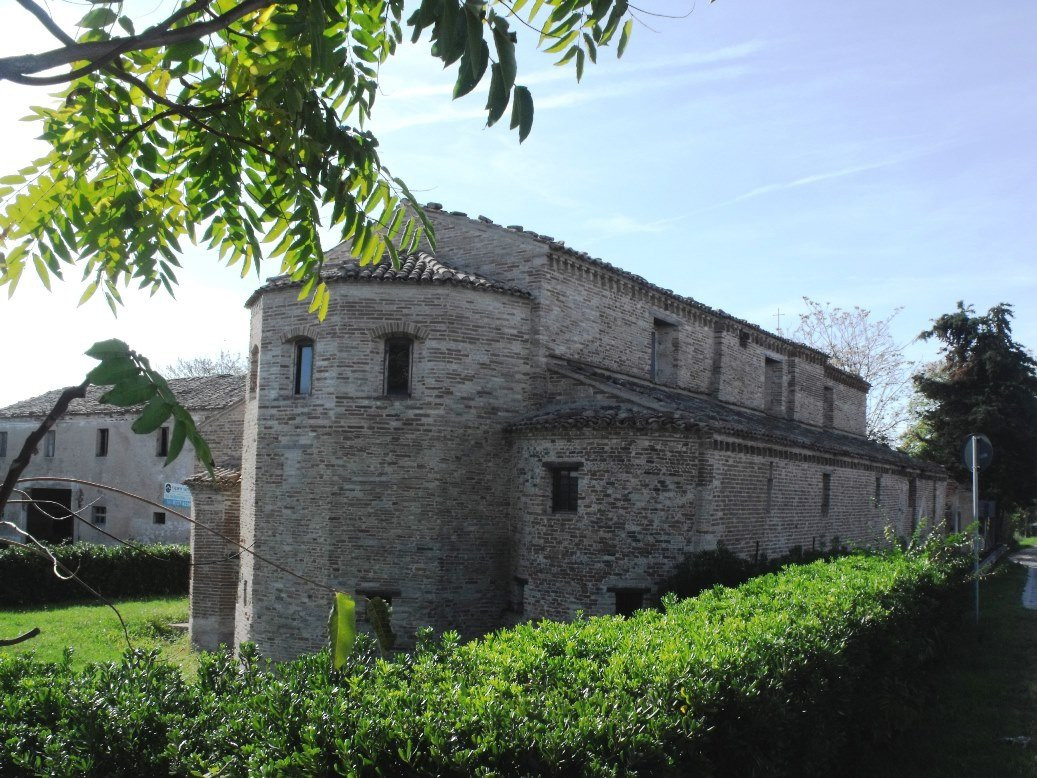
[[1028, 557]]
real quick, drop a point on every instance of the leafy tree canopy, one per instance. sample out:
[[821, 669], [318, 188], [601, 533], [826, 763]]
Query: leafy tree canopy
[[985, 383], [239, 123]]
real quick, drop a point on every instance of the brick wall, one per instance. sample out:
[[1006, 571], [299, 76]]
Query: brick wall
[[637, 516], [366, 492], [214, 576]]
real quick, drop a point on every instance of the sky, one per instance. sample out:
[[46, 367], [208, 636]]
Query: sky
[[872, 154]]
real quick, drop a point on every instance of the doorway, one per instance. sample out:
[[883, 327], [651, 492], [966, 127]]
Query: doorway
[[50, 515]]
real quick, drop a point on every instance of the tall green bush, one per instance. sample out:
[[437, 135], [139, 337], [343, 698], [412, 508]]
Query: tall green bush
[[27, 579], [778, 677]]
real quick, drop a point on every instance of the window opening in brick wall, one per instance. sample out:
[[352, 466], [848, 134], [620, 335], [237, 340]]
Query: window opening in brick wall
[[158, 517], [303, 383], [398, 366], [629, 599], [565, 487], [773, 401], [826, 493], [912, 502], [828, 414], [253, 371], [49, 442], [386, 593], [936, 508], [518, 594], [878, 491], [664, 351], [743, 338], [162, 442], [768, 504], [99, 515], [3, 444], [101, 448]]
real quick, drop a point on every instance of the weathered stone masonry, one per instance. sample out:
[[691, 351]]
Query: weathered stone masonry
[[565, 433]]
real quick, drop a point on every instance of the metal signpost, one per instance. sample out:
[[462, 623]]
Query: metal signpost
[[976, 453]]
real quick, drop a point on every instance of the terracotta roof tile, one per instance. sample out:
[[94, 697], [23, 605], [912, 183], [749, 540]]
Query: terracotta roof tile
[[418, 268], [666, 408], [196, 394]]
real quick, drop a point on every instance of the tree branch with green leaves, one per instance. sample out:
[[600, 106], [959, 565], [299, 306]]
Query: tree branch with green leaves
[[240, 126]]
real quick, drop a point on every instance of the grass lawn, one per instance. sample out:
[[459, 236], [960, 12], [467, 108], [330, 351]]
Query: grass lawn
[[94, 634], [984, 689]]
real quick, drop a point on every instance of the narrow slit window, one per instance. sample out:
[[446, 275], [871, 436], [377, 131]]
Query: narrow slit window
[[253, 372], [102, 443], [49, 443], [878, 491], [3, 444], [162, 442], [565, 488], [303, 383], [664, 351], [826, 493], [773, 393], [828, 417], [397, 366]]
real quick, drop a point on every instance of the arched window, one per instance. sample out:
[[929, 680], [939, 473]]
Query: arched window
[[303, 383], [397, 365]]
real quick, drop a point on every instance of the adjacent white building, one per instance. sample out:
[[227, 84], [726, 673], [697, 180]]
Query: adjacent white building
[[94, 443]]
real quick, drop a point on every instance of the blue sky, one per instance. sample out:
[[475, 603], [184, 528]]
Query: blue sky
[[876, 154]]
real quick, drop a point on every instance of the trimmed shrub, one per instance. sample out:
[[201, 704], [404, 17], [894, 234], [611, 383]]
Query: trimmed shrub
[[117, 572], [705, 569], [778, 677]]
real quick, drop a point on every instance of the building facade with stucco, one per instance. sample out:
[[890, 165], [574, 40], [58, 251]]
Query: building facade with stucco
[[93, 447], [512, 430]]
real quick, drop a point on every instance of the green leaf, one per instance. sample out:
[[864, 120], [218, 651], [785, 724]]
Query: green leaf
[[342, 629], [624, 37], [106, 349], [522, 112], [98, 18], [505, 56], [497, 100], [468, 76], [477, 51], [132, 390], [176, 441], [112, 370], [154, 416]]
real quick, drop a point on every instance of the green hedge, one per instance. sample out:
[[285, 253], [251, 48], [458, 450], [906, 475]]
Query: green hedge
[[27, 579], [780, 676]]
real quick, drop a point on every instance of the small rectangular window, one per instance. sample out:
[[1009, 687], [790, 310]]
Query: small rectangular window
[[629, 600], [99, 515], [826, 493], [158, 517], [912, 502], [303, 367], [3, 444], [102, 442], [565, 488], [48, 443], [878, 491], [397, 366], [162, 442], [828, 414]]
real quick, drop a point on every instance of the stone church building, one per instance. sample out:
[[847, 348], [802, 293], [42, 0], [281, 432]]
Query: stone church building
[[512, 430]]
